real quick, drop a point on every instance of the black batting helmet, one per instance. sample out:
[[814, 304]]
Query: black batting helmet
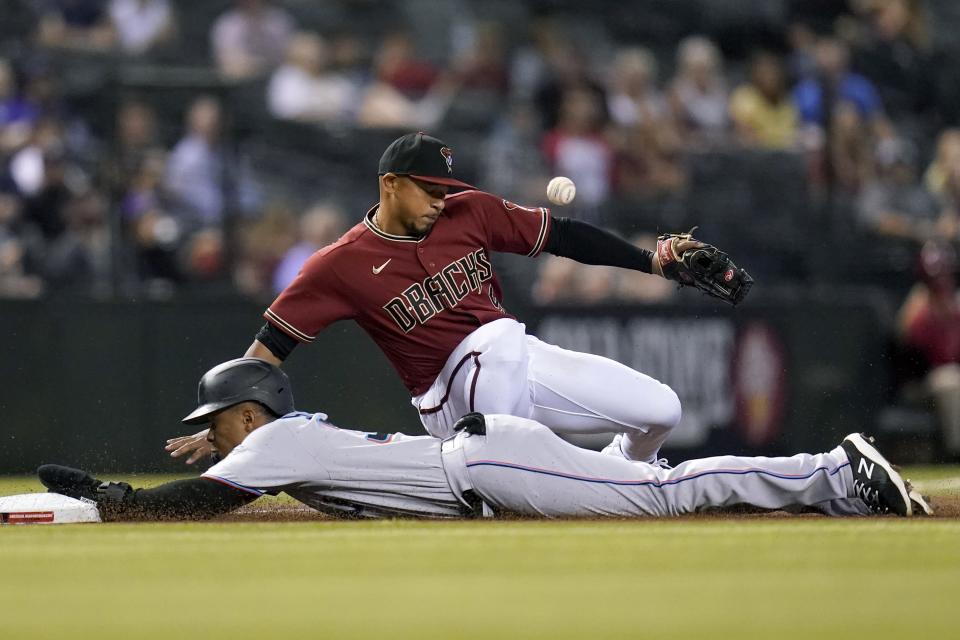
[[242, 380]]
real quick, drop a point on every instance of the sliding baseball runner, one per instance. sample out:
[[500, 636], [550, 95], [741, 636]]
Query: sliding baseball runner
[[491, 464]]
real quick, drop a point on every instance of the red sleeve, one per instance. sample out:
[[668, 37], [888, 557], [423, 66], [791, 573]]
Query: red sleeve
[[311, 302], [511, 228]]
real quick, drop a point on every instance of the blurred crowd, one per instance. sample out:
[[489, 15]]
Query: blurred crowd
[[145, 207]]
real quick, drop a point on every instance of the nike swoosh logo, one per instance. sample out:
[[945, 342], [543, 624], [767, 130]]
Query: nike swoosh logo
[[377, 270]]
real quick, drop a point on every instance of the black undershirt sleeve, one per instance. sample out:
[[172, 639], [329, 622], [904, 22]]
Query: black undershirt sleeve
[[190, 499], [588, 244], [279, 343]]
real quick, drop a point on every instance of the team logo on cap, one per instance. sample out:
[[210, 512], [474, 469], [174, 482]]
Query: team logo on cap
[[447, 154]]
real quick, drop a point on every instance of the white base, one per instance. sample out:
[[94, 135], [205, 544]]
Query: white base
[[46, 508]]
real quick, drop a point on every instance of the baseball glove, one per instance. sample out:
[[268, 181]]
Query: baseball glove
[[695, 264], [109, 496]]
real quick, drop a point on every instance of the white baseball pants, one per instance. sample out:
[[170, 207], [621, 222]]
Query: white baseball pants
[[499, 369]]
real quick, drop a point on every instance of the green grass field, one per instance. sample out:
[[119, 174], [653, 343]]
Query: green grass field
[[711, 577]]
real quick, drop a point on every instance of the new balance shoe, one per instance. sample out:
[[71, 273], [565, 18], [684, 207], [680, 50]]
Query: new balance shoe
[[874, 480]]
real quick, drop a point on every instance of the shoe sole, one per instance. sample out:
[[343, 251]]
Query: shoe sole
[[869, 452]]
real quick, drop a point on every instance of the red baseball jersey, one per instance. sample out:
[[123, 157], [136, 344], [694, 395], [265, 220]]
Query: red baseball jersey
[[418, 298]]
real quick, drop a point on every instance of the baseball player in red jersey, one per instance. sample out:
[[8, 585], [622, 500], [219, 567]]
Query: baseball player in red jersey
[[416, 274]]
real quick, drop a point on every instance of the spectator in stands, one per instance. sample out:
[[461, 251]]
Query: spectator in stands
[[45, 178], [818, 97], [153, 233], [399, 66], [801, 60], [205, 256], [18, 278], [633, 97], [348, 56], [481, 67], [200, 174], [136, 138], [895, 54], [578, 148], [17, 114], [894, 203], [142, 25], [319, 226], [76, 24], [404, 92], [851, 151], [250, 39], [947, 154], [304, 88], [262, 244], [144, 190], [842, 117], [529, 66], [79, 258], [513, 164], [646, 141], [761, 109], [929, 321], [567, 69], [43, 91], [943, 180], [649, 161], [698, 93]]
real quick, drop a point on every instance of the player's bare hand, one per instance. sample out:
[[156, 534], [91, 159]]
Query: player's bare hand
[[196, 445]]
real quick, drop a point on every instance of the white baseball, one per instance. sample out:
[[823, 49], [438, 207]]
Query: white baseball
[[561, 190]]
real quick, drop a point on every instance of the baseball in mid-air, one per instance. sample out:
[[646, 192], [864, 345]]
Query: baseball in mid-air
[[561, 190]]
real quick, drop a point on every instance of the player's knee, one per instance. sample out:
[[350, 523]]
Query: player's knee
[[669, 410], [660, 411]]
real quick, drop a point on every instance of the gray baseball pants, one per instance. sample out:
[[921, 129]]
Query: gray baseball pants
[[520, 466]]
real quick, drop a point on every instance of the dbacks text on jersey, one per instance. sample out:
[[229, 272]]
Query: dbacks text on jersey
[[421, 301]]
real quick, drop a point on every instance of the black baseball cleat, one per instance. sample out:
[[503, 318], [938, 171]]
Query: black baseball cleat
[[874, 480]]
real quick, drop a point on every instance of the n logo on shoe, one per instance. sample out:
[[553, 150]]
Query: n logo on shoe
[[866, 467]]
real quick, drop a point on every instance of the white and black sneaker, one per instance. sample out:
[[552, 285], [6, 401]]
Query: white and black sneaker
[[874, 480]]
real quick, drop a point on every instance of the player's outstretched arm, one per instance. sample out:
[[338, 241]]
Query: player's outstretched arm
[[192, 499], [588, 244], [679, 257]]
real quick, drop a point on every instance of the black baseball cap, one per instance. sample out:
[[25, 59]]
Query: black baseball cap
[[423, 157]]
